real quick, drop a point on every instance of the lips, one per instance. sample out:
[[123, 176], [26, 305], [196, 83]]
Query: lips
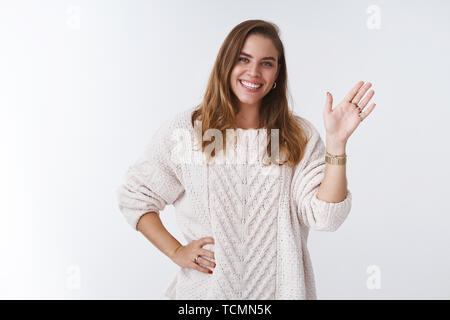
[[251, 82], [249, 88]]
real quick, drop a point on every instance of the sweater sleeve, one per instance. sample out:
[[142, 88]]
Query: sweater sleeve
[[153, 181], [308, 174]]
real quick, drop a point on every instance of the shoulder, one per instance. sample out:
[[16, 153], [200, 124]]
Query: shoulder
[[178, 120], [164, 137]]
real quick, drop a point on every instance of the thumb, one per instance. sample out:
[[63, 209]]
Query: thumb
[[329, 102]]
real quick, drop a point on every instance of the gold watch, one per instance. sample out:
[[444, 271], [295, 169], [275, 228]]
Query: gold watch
[[336, 159]]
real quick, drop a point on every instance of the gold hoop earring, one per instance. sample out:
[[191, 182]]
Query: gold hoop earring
[[274, 85]]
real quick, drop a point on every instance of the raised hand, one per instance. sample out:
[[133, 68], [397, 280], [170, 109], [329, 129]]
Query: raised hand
[[341, 121]]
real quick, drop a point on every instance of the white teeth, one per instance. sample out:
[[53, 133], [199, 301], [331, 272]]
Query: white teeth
[[250, 85]]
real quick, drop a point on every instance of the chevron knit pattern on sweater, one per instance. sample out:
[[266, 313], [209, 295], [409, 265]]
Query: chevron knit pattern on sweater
[[258, 215]]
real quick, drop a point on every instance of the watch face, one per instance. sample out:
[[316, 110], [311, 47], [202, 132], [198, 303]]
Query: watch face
[[332, 160]]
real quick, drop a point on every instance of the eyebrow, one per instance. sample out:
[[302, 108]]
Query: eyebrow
[[265, 58]]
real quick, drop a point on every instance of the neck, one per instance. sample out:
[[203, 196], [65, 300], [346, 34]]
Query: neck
[[248, 116]]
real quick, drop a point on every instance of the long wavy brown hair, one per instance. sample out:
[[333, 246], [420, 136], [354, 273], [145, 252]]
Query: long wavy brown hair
[[220, 105]]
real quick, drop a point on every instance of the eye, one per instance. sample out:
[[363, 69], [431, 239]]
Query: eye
[[246, 60]]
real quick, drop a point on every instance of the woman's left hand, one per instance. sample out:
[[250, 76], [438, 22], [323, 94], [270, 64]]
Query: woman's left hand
[[341, 121]]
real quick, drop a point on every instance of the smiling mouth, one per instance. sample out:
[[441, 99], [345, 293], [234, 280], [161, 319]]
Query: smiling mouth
[[250, 86]]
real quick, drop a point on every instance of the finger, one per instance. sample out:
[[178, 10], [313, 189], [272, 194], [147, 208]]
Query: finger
[[206, 253], [366, 99], [329, 102], [206, 240], [206, 262], [366, 113], [199, 268], [351, 94], [361, 93]]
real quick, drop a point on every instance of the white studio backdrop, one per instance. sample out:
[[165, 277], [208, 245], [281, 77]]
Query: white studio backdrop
[[85, 84]]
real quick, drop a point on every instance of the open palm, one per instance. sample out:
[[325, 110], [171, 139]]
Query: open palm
[[341, 121]]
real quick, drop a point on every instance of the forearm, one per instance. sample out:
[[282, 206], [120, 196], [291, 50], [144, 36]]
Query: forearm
[[150, 225], [334, 184]]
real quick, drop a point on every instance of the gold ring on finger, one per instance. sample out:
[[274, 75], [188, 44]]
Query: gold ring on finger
[[195, 259]]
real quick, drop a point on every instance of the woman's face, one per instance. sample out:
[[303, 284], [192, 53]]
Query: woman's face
[[255, 71]]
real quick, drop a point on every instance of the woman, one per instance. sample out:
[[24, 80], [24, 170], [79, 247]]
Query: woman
[[246, 223]]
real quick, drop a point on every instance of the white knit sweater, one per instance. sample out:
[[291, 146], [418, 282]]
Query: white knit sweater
[[258, 216]]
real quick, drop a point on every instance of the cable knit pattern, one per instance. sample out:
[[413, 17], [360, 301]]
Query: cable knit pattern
[[258, 215], [246, 196]]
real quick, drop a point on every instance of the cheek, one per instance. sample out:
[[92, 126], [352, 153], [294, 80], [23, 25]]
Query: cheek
[[236, 71], [270, 76], [234, 76]]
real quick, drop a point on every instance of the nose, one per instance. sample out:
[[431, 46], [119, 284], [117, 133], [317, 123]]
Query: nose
[[253, 70]]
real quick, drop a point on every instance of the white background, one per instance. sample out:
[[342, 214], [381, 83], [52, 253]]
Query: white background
[[84, 84]]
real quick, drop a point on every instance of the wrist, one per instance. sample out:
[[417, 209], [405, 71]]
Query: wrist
[[335, 147], [174, 252]]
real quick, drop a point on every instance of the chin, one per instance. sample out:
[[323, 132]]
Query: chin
[[249, 101]]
